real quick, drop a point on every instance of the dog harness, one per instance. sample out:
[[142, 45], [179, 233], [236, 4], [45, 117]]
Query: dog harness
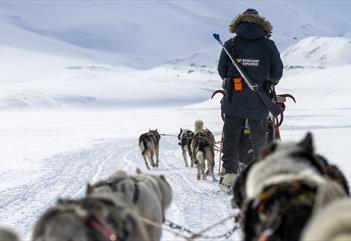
[[113, 185]]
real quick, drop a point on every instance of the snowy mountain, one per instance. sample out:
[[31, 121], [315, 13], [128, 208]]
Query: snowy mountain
[[115, 53], [319, 52], [151, 32]]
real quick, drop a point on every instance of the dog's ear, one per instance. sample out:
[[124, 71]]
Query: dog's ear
[[307, 143], [138, 171]]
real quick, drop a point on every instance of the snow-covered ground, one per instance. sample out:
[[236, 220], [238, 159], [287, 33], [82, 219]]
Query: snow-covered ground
[[51, 154], [76, 91]]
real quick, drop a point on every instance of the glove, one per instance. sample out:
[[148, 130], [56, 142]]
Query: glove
[[267, 86]]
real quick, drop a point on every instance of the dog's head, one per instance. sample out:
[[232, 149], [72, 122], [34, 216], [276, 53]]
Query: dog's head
[[283, 162], [301, 150], [155, 133], [65, 222], [81, 220], [287, 204]]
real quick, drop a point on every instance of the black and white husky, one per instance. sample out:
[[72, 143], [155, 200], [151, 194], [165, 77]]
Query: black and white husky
[[202, 147], [282, 189], [149, 147], [185, 138]]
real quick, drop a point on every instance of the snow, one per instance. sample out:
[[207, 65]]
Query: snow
[[81, 80], [319, 52]]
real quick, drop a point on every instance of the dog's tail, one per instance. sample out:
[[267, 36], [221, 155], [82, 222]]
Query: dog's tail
[[199, 126], [142, 145]]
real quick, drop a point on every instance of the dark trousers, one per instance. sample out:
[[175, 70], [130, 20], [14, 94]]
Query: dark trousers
[[232, 129]]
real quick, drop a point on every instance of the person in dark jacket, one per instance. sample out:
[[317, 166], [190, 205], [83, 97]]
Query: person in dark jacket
[[260, 58]]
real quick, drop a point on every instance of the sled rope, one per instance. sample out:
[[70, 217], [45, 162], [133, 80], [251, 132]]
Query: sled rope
[[169, 135], [200, 233], [171, 226]]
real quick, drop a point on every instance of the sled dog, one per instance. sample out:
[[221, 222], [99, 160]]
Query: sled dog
[[185, 138], [202, 148], [99, 216], [287, 204], [149, 147], [149, 194], [283, 188], [284, 161]]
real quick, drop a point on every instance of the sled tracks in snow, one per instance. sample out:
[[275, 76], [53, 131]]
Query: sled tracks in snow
[[195, 203], [59, 176]]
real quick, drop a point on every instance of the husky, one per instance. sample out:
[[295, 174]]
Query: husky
[[282, 210], [8, 235], [99, 216], [202, 148], [283, 188], [185, 138], [149, 147], [149, 194], [280, 161]]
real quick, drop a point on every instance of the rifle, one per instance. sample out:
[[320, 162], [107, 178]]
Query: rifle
[[272, 107]]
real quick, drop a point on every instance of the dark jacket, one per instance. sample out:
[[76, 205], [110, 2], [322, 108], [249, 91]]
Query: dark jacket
[[260, 59]]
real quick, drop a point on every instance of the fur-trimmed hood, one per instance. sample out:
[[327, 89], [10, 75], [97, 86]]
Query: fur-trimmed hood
[[251, 18]]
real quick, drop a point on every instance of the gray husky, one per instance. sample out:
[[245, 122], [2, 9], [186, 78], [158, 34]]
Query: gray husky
[[185, 138], [202, 147], [149, 147], [149, 194], [99, 217]]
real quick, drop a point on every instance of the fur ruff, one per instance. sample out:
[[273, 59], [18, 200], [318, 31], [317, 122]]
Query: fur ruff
[[251, 18], [332, 223], [274, 170], [327, 193]]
